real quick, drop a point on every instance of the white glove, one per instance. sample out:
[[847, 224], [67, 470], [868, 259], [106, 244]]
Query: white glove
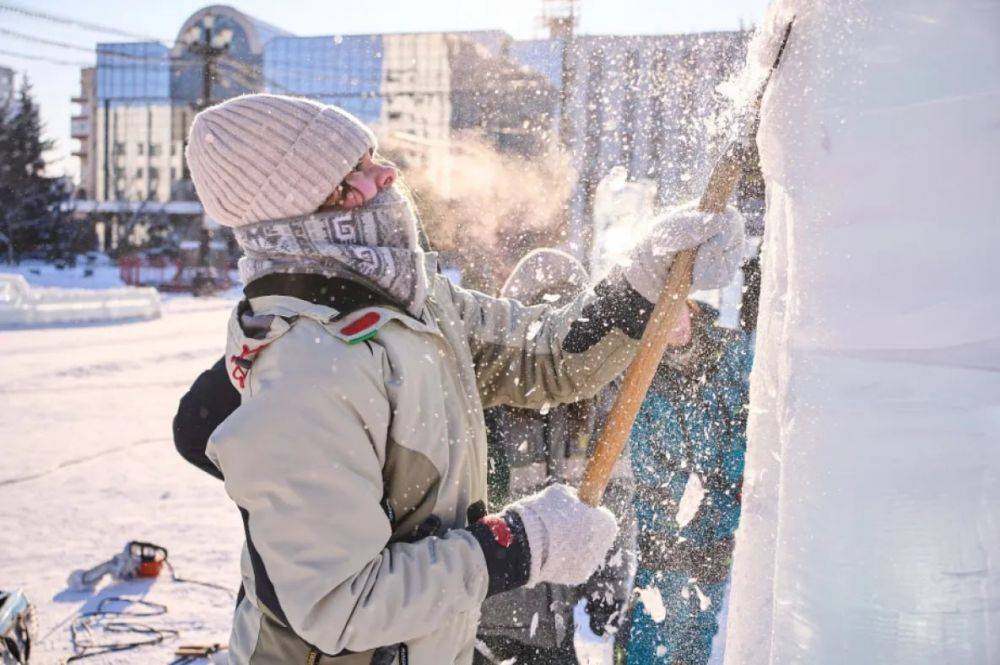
[[720, 239], [591, 648], [567, 538]]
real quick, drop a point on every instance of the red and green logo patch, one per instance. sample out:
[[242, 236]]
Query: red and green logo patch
[[361, 329]]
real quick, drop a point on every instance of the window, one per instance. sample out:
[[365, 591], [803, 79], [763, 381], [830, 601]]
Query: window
[[154, 150], [154, 173], [119, 148], [173, 149], [173, 173], [133, 71], [343, 70], [141, 148], [138, 172]]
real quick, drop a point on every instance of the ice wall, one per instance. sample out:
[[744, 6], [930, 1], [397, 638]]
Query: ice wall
[[22, 305], [871, 520]]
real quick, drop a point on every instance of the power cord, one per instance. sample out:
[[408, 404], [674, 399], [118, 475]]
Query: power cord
[[86, 643], [186, 580], [138, 560]]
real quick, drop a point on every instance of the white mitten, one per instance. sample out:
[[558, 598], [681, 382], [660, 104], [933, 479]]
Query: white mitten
[[567, 538], [591, 648], [719, 237]]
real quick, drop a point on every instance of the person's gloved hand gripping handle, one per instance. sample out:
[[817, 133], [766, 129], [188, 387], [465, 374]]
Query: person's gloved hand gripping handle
[[552, 536], [719, 237]]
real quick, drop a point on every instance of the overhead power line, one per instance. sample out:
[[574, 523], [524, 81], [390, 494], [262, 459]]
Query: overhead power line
[[42, 58], [66, 20], [76, 47], [41, 40]]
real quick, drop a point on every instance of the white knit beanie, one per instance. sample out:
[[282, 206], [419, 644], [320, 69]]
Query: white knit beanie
[[261, 157]]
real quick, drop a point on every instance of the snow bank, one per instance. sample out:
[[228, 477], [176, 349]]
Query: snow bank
[[871, 520], [24, 305], [90, 271]]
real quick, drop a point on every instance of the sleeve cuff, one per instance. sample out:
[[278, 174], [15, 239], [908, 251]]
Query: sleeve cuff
[[505, 548]]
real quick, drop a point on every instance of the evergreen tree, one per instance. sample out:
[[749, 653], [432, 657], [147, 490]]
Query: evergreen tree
[[30, 219]]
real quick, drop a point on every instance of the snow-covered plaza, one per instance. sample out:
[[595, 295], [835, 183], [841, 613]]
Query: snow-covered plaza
[[88, 464]]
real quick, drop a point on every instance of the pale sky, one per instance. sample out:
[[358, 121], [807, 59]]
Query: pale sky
[[54, 84]]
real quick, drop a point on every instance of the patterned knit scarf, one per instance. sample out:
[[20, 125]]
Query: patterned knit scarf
[[375, 245]]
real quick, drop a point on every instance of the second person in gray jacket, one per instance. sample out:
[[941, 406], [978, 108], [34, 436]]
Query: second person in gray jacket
[[529, 450]]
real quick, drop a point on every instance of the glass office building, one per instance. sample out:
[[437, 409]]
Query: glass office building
[[404, 85], [649, 103], [133, 72], [131, 122], [341, 70]]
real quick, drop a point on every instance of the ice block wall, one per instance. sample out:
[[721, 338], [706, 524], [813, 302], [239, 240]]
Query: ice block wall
[[871, 519], [22, 305]]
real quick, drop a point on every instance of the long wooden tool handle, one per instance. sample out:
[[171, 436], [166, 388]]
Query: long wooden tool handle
[[637, 379], [639, 375], [725, 174]]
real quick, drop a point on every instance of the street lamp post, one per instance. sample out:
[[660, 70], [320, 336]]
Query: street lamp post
[[208, 45]]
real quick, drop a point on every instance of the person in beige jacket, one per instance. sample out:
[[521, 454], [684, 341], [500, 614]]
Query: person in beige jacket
[[357, 454]]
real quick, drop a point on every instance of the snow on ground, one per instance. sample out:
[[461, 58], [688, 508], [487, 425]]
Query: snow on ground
[[87, 463], [99, 272]]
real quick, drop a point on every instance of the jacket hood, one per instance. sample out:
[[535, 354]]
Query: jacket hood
[[545, 275]]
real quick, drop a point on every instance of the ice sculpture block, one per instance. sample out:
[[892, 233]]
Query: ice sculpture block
[[871, 518]]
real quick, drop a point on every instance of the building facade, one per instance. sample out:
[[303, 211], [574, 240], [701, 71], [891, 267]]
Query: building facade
[[414, 89], [82, 129], [647, 103]]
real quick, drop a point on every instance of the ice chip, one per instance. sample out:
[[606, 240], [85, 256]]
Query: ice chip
[[704, 602], [652, 602], [693, 495]]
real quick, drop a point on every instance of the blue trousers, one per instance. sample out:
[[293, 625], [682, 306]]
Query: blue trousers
[[684, 637]]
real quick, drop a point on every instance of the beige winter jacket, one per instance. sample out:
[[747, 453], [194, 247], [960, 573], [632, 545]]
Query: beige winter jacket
[[343, 446]]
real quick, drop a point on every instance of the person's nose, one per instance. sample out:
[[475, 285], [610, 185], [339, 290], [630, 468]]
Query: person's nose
[[363, 183], [371, 180], [383, 175]]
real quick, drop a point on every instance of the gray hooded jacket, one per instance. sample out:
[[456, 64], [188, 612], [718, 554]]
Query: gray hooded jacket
[[530, 450]]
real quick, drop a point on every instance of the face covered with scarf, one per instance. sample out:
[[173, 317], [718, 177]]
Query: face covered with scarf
[[692, 349], [375, 243]]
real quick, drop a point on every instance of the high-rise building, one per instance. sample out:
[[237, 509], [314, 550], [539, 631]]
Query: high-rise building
[[650, 104], [82, 129]]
